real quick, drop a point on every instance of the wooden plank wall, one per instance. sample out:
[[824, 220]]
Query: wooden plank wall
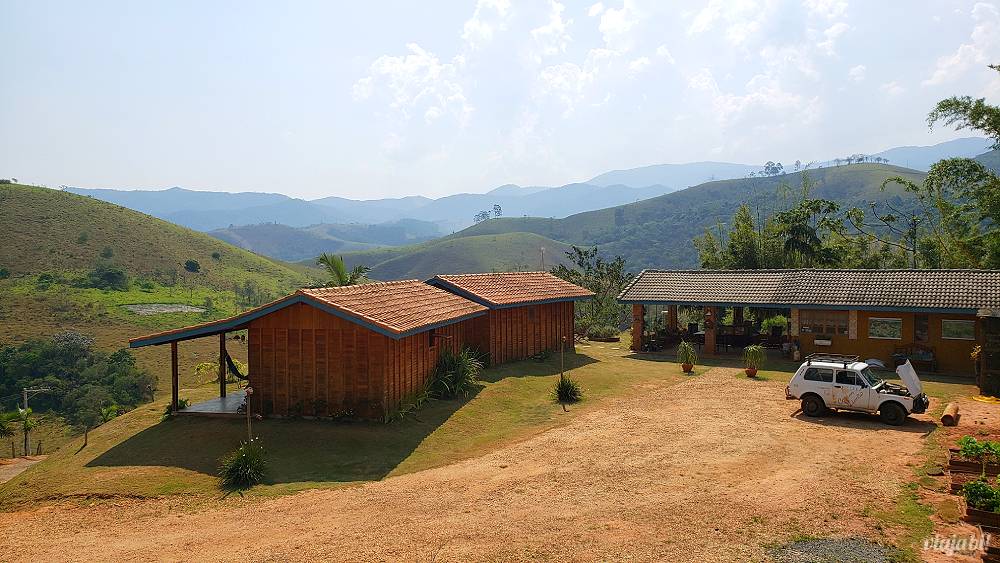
[[517, 333], [305, 361]]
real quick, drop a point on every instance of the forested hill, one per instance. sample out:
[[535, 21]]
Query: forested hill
[[658, 232]]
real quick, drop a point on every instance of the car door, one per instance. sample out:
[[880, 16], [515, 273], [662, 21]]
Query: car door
[[820, 381], [850, 391]]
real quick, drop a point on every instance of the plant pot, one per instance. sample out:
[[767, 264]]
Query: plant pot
[[687, 367], [751, 372]]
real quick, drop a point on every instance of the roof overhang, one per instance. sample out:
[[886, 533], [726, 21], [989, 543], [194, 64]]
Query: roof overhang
[[833, 307], [242, 320]]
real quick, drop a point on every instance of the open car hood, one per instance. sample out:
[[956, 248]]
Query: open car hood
[[910, 379]]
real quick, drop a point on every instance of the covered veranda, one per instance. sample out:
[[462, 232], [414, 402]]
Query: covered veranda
[[658, 326], [228, 403]]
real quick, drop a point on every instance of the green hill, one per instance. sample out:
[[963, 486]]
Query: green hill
[[658, 232], [49, 230], [468, 254]]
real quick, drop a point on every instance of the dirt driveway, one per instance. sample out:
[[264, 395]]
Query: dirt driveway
[[712, 469]]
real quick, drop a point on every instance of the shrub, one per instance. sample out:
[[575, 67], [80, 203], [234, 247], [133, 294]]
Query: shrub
[[244, 467], [192, 266], [217, 255], [107, 276], [981, 495], [181, 405], [601, 331], [4, 273], [686, 353], [984, 452], [455, 374], [754, 356], [567, 390]]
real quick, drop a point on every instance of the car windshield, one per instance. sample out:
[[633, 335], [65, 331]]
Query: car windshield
[[873, 379]]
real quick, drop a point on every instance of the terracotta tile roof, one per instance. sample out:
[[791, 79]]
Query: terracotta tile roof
[[954, 290], [511, 288], [397, 306], [396, 309]]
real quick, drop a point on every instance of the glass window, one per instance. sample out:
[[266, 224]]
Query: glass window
[[891, 329], [819, 374], [828, 323], [958, 330], [920, 332], [847, 377]]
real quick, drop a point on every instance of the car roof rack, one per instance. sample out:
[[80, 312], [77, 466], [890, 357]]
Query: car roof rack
[[845, 359]]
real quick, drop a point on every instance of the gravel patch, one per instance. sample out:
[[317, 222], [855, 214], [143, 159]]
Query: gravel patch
[[835, 550], [160, 308]]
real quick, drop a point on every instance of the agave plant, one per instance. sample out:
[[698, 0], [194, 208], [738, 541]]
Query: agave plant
[[687, 355]]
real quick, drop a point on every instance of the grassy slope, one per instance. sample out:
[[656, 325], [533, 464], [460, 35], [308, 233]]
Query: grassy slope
[[42, 231], [657, 232], [137, 455], [50, 230], [487, 253], [286, 243]]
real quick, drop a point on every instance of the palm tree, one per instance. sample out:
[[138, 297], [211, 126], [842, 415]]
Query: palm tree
[[339, 276], [27, 423], [6, 428]]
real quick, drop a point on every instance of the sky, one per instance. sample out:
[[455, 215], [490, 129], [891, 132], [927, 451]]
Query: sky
[[386, 99]]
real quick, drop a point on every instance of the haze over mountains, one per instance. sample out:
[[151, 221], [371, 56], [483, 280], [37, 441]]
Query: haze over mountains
[[293, 229]]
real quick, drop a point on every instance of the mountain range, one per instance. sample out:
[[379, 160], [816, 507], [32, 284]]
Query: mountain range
[[292, 229]]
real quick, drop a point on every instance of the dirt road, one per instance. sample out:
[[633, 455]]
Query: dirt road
[[9, 468], [712, 469]]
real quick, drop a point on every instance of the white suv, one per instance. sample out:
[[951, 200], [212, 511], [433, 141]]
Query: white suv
[[832, 381]]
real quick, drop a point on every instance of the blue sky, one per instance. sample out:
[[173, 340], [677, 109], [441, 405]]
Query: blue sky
[[375, 99]]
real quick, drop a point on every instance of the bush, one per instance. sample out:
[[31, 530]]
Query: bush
[[567, 390], [754, 356], [686, 353], [455, 374], [107, 276], [244, 467], [192, 266], [601, 331], [981, 495], [217, 255], [4, 273]]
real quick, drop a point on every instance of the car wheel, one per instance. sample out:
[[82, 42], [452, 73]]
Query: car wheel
[[813, 406], [892, 414]]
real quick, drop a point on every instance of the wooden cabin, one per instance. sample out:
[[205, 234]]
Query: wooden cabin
[[529, 312], [359, 350]]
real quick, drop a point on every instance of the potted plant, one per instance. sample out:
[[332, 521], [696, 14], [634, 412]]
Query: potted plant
[[753, 358], [686, 355]]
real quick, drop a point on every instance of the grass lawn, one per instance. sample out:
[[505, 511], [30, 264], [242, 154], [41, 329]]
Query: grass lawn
[[136, 455]]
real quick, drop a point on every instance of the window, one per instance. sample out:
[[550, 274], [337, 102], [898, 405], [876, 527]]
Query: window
[[891, 329], [847, 377], [958, 330], [830, 323], [819, 374], [920, 332]]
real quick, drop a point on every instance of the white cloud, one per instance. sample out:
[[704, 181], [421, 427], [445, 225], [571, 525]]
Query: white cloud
[[984, 42], [417, 81], [616, 26], [831, 34], [489, 17], [829, 9], [569, 83], [743, 19], [664, 53], [596, 9], [638, 65], [552, 38], [857, 73], [796, 57], [892, 88], [765, 103]]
